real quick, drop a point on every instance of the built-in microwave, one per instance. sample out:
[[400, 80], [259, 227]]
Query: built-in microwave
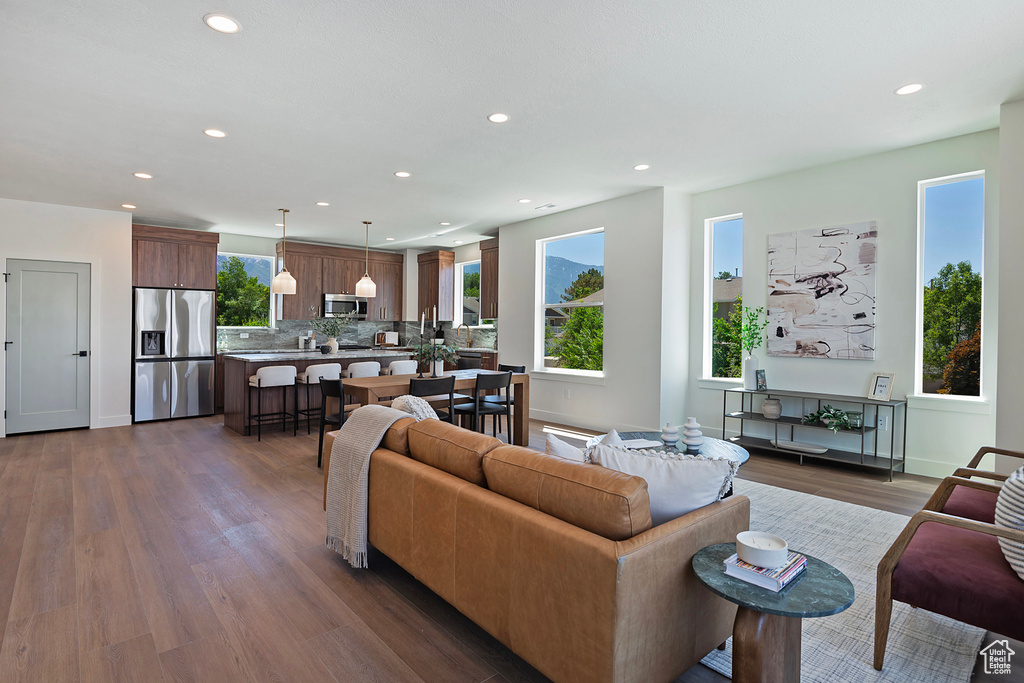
[[344, 304]]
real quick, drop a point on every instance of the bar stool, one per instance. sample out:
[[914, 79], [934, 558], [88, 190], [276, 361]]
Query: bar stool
[[268, 377], [370, 368], [313, 375], [518, 369], [402, 367]]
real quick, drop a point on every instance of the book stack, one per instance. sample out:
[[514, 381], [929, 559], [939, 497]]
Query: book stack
[[772, 579]]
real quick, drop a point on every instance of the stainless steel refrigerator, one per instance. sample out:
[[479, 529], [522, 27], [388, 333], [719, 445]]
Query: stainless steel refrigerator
[[174, 339]]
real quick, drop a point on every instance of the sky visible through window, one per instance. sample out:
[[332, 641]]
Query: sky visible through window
[[585, 249], [953, 218], [727, 248]]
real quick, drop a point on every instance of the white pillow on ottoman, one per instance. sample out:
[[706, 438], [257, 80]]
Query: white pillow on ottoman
[[555, 446], [1010, 515], [676, 483]]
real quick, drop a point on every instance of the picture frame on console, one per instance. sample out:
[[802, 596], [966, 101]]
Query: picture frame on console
[[762, 383], [881, 386]]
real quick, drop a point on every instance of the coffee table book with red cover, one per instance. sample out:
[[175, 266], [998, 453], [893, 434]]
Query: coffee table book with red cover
[[772, 579]]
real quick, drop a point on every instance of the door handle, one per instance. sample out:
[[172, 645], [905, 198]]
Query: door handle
[[6, 344], [81, 354]]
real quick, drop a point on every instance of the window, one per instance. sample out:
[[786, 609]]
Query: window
[[467, 290], [572, 301], [243, 290], [723, 303], [950, 247]]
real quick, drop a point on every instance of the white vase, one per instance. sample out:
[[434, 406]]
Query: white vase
[[750, 372], [692, 435], [438, 368], [670, 434], [333, 343]]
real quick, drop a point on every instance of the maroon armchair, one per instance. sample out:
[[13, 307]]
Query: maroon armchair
[[947, 560]]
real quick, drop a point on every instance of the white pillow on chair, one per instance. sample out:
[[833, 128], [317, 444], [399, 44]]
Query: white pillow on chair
[[415, 406], [1010, 515]]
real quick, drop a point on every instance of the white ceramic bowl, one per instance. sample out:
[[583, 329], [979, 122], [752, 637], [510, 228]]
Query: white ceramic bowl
[[761, 549]]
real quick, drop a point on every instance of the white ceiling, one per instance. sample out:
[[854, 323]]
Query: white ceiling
[[323, 100]]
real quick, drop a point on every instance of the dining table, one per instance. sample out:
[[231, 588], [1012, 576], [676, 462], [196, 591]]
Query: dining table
[[369, 390]]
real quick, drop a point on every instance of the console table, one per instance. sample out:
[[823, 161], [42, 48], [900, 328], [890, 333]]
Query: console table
[[787, 425]]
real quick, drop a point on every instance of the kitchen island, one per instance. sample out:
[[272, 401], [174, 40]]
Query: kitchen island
[[239, 366]]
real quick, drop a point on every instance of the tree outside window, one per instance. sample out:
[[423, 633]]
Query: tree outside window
[[243, 290], [574, 302]]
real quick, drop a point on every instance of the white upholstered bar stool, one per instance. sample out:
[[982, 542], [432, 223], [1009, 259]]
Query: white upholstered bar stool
[[370, 368], [402, 367], [268, 377], [311, 377]]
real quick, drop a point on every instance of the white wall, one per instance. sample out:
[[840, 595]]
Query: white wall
[[628, 396], [1010, 403], [245, 244], [941, 432], [30, 230], [411, 291]]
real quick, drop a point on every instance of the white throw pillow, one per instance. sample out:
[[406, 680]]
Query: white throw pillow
[[1010, 515], [555, 446], [612, 439], [676, 483], [415, 406]]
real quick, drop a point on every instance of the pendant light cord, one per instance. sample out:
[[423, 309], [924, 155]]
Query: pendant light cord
[[284, 240], [366, 268]]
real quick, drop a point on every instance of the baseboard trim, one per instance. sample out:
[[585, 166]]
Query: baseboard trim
[[111, 421], [584, 423]]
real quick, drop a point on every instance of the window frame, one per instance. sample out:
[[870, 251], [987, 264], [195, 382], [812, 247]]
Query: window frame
[[540, 306], [460, 279], [709, 304], [922, 186], [273, 297]]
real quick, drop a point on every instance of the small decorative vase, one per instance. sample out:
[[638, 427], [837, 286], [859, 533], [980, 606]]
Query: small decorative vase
[[772, 408], [333, 343], [750, 372], [692, 436], [670, 434], [438, 368]]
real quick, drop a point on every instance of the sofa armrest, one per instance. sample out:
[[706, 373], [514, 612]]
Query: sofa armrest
[[985, 450], [660, 601], [968, 472], [945, 488]]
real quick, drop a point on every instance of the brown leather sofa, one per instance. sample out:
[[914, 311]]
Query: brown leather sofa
[[556, 559]]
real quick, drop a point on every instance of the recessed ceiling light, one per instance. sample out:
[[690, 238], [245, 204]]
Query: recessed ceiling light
[[436, 234], [389, 239], [144, 176], [458, 241], [525, 201], [641, 167], [221, 23], [214, 133], [322, 204], [128, 206], [909, 89], [446, 223], [498, 118], [402, 174], [278, 225]]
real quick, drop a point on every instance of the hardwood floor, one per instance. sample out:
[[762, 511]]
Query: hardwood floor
[[181, 551]]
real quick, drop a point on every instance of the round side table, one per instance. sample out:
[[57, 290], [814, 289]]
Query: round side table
[[766, 633]]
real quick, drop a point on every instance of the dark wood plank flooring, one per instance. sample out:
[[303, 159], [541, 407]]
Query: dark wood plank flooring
[[180, 551]]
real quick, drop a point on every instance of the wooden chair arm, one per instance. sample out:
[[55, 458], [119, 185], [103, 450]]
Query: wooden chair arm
[[899, 546], [968, 472], [945, 489], [985, 450]]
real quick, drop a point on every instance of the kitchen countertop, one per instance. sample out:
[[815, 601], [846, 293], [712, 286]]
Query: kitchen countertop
[[472, 349], [264, 356]]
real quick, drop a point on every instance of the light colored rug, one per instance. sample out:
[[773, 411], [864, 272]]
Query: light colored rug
[[923, 647]]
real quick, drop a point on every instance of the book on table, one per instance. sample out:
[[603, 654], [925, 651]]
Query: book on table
[[772, 579]]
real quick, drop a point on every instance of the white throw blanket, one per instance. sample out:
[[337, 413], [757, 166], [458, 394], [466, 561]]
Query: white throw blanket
[[348, 479]]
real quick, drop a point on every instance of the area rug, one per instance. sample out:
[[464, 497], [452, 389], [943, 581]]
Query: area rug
[[923, 647]]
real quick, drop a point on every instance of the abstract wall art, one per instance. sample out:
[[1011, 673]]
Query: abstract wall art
[[821, 292]]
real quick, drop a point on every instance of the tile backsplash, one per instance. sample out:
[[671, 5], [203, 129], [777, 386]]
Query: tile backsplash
[[286, 335]]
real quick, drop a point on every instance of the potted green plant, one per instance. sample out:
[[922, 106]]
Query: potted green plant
[[752, 337], [332, 327], [438, 354], [833, 418]]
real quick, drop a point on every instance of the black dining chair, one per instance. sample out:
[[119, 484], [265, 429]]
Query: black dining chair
[[331, 388], [480, 408], [437, 392], [517, 369]]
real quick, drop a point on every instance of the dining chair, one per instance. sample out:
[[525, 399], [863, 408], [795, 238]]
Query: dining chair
[[517, 369], [332, 410], [480, 407], [439, 393]]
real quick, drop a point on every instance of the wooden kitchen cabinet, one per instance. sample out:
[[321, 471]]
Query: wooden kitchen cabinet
[[308, 273], [437, 284], [489, 279], [341, 275], [177, 259], [387, 305]]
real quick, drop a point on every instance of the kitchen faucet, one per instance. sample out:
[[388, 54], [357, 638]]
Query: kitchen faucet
[[469, 334]]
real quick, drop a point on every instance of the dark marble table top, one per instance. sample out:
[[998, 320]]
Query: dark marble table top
[[822, 591], [711, 448]]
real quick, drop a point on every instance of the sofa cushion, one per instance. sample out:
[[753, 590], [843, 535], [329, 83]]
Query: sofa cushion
[[602, 501], [677, 483], [972, 504], [453, 449]]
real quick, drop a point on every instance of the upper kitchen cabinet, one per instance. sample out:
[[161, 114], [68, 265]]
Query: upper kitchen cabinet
[[437, 284], [342, 274], [178, 259], [387, 305], [489, 278]]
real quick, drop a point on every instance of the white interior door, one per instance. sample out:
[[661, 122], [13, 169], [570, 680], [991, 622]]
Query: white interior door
[[47, 345]]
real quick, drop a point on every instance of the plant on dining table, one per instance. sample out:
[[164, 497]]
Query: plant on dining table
[[426, 353]]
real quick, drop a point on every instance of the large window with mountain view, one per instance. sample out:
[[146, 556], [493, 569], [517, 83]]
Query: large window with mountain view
[[951, 234], [723, 355], [243, 290], [573, 301]]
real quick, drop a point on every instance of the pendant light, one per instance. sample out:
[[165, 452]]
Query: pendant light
[[365, 286], [283, 282]]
